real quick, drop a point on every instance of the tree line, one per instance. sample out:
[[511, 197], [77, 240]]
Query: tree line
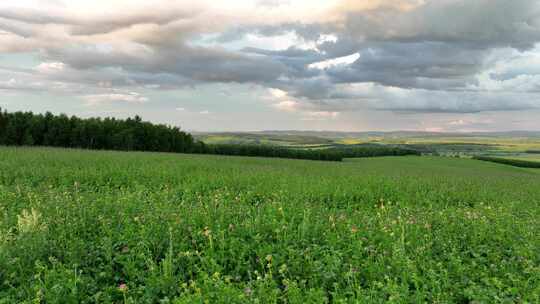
[[272, 151], [134, 134], [511, 162], [372, 151], [131, 134]]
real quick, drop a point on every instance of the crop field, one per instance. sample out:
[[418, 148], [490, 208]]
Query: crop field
[[114, 227], [264, 139]]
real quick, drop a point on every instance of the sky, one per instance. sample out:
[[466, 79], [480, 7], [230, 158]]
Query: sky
[[250, 65]]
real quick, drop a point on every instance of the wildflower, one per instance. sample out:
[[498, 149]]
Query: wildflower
[[207, 232], [354, 229], [123, 287], [283, 269], [248, 291]]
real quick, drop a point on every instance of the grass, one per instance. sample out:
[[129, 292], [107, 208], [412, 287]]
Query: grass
[[111, 227]]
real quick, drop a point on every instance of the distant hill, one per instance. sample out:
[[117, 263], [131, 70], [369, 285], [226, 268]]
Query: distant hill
[[327, 137], [400, 134], [426, 142]]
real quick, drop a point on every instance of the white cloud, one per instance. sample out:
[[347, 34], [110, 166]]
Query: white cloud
[[50, 67], [345, 60], [99, 99], [277, 93], [10, 83]]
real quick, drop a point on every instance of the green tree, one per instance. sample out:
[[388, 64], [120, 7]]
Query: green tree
[[3, 123]]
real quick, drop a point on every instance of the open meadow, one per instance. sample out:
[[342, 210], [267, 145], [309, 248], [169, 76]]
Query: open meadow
[[113, 227]]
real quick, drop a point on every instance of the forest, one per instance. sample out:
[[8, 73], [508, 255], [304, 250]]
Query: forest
[[132, 134]]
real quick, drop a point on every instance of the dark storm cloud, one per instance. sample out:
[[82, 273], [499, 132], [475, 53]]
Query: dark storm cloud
[[427, 65]]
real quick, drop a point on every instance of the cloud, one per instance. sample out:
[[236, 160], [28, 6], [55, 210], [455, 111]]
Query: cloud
[[408, 56], [10, 83], [129, 97], [50, 67], [14, 84], [320, 116], [287, 106], [336, 62], [427, 65], [482, 23]]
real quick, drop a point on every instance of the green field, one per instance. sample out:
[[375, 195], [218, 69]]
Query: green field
[[293, 140], [465, 144], [113, 227]]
